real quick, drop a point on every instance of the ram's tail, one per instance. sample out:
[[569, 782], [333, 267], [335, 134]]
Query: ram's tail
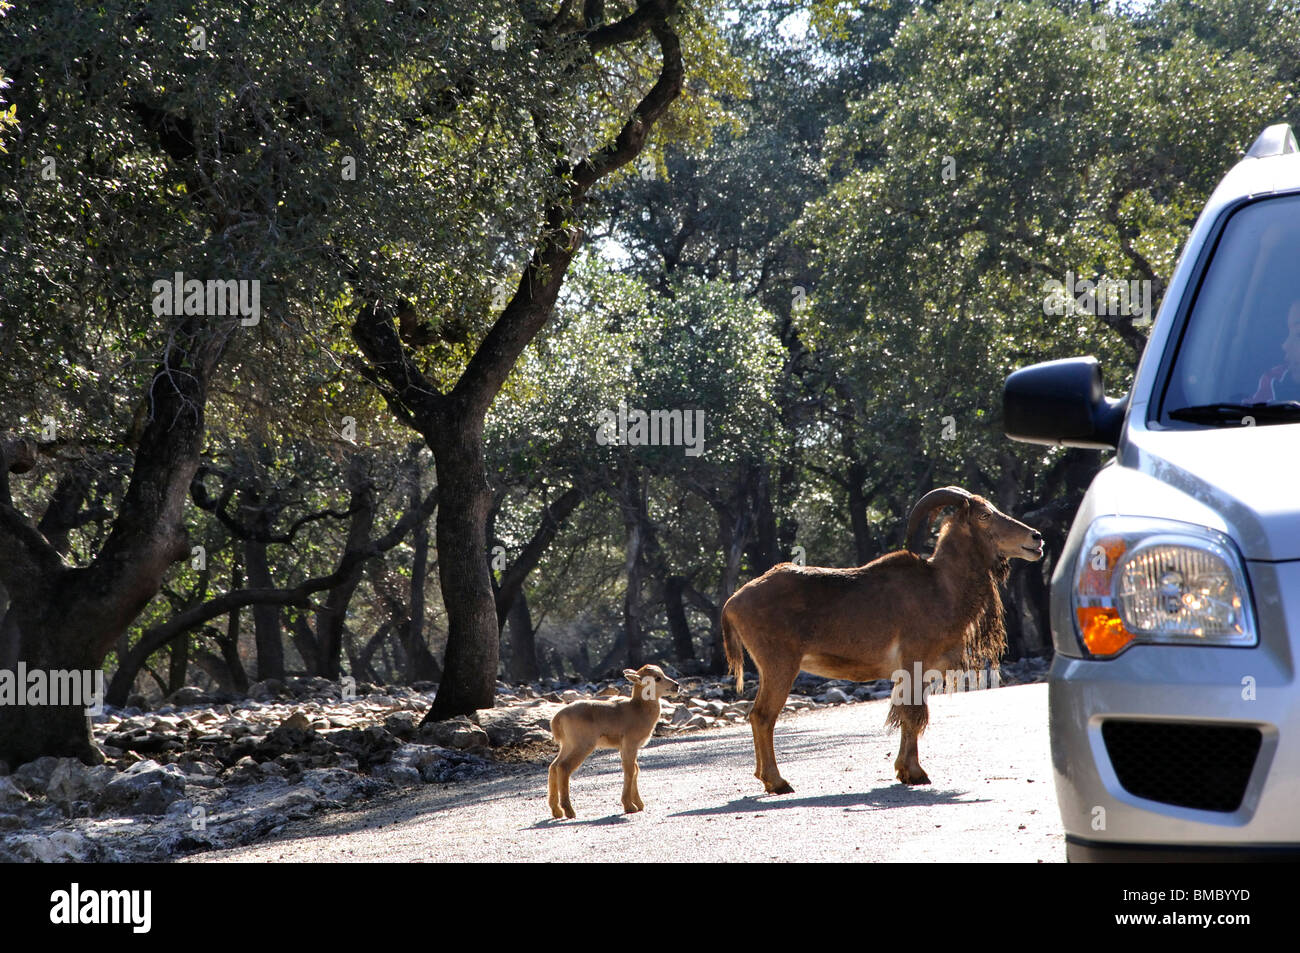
[[735, 650]]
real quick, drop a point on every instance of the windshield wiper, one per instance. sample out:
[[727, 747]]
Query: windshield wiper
[[1264, 413]]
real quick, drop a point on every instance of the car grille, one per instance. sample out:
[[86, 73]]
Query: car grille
[[1190, 765]]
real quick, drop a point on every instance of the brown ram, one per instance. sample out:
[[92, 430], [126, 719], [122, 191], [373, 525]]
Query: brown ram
[[878, 620]]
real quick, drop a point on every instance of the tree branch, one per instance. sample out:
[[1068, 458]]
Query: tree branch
[[512, 579], [531, 305], [156, 637]]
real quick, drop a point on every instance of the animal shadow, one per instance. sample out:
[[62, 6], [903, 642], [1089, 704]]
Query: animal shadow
[[876, 799], [548, 822]]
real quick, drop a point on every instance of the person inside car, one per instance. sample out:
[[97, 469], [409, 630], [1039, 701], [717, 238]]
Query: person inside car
[[1283, 381]]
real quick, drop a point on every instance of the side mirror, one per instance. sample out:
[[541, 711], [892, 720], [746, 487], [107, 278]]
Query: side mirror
[[1062, 403]]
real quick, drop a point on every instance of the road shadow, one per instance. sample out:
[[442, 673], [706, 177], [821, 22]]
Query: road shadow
[[737, 744], [898, 795], [555, 822]]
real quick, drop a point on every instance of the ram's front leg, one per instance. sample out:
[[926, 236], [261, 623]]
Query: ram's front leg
[[912, 719]]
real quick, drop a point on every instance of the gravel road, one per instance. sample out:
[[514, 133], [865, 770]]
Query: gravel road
[[986, 752]]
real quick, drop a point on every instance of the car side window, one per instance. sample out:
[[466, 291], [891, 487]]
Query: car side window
[[1242, 342]]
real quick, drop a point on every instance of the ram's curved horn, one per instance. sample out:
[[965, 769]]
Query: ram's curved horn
[[918, 523]]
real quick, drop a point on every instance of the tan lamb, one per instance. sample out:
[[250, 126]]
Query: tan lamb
[[624, 723]]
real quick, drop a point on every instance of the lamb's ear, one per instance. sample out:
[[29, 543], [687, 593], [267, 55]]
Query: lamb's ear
[[631, 675]]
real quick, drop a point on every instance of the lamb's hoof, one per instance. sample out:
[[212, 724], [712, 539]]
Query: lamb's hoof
[[556, 813], [631, 808], [781, 787], [568, 812], [913, 777]]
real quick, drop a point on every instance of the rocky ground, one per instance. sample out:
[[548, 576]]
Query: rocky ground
[[205, 772]]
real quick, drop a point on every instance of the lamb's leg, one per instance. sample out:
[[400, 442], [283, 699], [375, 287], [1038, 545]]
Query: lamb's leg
[[553, 772], [553, 788], [631, 770], [773, 688], [564, 765], [912, 719]]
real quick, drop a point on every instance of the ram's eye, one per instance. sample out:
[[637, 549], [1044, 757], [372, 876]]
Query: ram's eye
[[984, 517]]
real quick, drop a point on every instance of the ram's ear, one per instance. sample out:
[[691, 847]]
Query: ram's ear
[[631, 675]]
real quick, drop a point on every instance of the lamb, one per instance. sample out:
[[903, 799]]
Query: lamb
[[623, 723]]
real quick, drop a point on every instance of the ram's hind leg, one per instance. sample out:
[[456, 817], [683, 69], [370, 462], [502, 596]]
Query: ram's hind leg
[[774, 683]]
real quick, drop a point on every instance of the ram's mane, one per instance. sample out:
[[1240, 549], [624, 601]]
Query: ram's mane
[[985, 637]]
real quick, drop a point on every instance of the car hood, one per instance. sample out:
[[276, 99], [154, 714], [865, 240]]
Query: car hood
[[1243, 481]]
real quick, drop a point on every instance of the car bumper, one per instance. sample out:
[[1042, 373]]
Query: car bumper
[[1116, 797], [1081, 851]]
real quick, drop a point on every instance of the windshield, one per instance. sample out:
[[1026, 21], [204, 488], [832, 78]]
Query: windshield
[[1242, 343]]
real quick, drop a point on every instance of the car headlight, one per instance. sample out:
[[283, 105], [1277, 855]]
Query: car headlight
[[1148, 580]]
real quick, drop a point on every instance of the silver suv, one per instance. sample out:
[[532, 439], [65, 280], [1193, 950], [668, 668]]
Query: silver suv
[[1174, 704]]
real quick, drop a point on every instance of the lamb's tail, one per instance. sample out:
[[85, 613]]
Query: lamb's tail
[[734, 648]]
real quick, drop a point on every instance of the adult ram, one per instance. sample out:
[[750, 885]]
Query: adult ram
[[877, 620]]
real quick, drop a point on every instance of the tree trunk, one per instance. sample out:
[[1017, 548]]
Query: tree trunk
[[216, 668], [365, 669], [523, 644], [714, 613], [330, 619], [764, 551], [634, 490], [421, 666], [267, 629], [732, 531], [68, 619], [683, 645], [611, 662], [178, 663], [305, 641], [787, 525], [230, 641], [863, 545], [31, 731], [469, 672]]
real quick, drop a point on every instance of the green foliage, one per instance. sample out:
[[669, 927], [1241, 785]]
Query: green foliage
[[1011, 144], [835, 246], [706, 348]]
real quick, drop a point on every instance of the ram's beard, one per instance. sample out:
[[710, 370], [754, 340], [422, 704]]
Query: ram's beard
[[985, 638]]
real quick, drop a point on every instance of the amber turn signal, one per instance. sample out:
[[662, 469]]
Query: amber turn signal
[[1103, 632]]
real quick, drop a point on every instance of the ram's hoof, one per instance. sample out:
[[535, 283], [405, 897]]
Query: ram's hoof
[[913, 777]]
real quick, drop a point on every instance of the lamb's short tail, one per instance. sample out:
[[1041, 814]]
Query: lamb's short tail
[[735, 650]]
